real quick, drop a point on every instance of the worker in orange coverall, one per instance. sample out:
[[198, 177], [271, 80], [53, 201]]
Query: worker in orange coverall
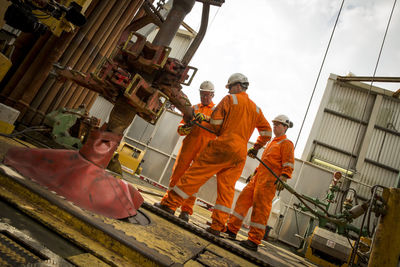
[[260, 191], [233, 120], [194, 142]]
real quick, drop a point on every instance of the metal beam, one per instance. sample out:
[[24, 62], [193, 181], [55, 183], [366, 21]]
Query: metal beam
[[368, 79]]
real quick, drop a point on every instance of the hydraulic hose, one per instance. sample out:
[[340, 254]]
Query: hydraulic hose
[[300, 197]]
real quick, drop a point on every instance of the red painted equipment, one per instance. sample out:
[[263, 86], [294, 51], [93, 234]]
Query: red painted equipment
[[80, 176]]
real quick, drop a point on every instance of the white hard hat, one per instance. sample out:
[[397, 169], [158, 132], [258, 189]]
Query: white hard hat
[[284, 120], [238, 78], [206, 86]]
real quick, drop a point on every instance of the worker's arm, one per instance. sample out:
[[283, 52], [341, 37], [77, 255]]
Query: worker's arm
[[218, 115], [265, 131], [287, 152]]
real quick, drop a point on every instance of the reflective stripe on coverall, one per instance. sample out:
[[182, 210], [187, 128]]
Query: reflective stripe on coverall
[[234, 120], [260, 191], [192, 144]]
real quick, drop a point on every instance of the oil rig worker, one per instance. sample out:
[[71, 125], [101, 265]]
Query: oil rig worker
[[260, 191], [195, 140], [233, 121]]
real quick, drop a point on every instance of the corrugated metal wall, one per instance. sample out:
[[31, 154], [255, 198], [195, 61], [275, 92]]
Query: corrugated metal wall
[[368, 145], [32, 91]]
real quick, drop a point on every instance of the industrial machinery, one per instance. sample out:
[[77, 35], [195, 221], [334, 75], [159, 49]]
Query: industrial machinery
[[335, 241], [130, 158], [70, 127], [138, 78], [40, 16], [71, 193]]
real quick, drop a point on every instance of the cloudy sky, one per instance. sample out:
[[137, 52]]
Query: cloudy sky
[[280, 44]]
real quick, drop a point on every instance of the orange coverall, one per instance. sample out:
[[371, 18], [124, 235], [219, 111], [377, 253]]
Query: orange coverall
[[234, 120], [192, 144], [260, 191]]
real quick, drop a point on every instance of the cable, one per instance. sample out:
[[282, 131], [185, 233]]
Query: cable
[[370, 87], [30, 129], [319, 73], [215, 15]]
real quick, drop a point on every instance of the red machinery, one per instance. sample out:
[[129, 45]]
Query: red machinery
[[138, 78]]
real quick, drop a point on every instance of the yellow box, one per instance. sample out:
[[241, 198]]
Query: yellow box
[[5, 65], [130, 157], [6, 128]]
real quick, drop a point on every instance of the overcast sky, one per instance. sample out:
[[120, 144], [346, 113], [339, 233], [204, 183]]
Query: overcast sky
[[279, 45]]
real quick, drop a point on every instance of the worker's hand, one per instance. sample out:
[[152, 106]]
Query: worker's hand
[[280, 186], [185, 129], [200, 117], [249, 178], [252, 152]]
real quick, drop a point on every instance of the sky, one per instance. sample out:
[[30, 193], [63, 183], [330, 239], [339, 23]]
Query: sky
[[280, 44]]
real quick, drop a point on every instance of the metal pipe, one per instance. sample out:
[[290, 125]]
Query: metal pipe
[[46, 93], [34, 90], [121, 116], [45, 88], [179, 10], [368, 79], [27, 87], [22, 69], [200, 35], [112, 42], [94, 47], [54, 87], [354, 251], [21, 60], [79, 56]]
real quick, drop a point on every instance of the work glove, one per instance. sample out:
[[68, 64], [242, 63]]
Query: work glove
[[251, 176], [200, 117], [185, 129], [252, 152], [280, 186]]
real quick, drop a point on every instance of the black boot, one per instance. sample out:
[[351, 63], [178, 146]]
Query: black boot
[[231, 235], [184, 216], [213, 232], [249, 245], [164, 208]]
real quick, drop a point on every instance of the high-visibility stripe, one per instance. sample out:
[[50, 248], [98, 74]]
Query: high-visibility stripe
[[222, 208], [216, 122], [258, 225], [235, 101], [194, 195], [196, 107], [237, 215], [257, 109], [265, 133], [288, 164], [213, 108], [282, 140], [180, 192]]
